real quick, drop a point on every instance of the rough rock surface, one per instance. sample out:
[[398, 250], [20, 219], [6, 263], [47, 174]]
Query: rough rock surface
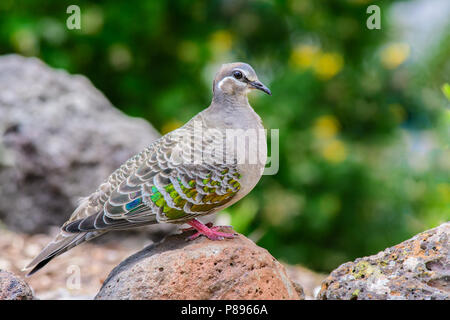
[[59, 139], [13, 288], [416, 269], [200, 269]]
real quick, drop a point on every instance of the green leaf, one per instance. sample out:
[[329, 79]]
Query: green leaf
[[446, 90]]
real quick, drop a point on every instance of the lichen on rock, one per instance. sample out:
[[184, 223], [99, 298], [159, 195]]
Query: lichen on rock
[[418, 268]]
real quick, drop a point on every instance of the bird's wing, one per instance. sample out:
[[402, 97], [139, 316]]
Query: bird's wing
[[161, 184]]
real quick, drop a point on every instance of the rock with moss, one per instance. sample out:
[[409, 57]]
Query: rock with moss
[[416, 269]]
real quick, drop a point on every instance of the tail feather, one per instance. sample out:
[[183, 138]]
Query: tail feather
[[62, 243], [40, 265], [82, 227]]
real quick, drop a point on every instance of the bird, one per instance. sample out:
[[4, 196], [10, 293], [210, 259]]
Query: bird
[[188, 173]]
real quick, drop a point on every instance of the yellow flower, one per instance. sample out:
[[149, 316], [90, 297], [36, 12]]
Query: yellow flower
[[394, 55], [221, 41], [304, 55], [334, 151], [328, 65], [325, 64], [326, 127]]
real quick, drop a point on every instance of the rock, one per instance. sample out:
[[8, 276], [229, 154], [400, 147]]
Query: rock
[[416, 269], [59, 139], [304, 278], [201, 269], [13, 288]]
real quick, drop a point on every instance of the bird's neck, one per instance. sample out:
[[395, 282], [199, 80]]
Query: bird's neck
[[230, 101], [232, 114]]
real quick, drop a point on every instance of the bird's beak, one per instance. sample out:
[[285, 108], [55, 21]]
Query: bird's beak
[[258, 85]]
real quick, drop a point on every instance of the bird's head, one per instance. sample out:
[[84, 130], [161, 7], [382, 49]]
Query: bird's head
[[237, 79]]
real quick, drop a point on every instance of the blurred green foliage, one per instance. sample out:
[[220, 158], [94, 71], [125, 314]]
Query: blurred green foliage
[[364, 140]]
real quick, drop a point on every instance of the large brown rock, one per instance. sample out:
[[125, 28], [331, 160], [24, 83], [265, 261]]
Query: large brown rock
[[13, 288], [416, 269], [59, 139], [200, 269]]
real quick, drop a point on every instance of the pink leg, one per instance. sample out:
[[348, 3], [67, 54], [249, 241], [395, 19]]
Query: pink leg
[[210, 233], [209, 225]]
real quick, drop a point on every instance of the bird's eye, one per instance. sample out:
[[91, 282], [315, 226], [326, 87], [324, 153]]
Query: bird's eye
[[237, 74]]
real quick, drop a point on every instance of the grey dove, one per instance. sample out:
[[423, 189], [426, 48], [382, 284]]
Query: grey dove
[[208, 164]]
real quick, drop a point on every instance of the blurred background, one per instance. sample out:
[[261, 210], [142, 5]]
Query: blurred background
[[363, 114]]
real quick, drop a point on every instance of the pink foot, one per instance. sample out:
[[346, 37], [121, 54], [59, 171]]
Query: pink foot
[[208, 231]]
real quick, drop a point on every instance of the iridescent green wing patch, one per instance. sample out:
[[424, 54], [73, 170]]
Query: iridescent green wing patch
[[186, 196]]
